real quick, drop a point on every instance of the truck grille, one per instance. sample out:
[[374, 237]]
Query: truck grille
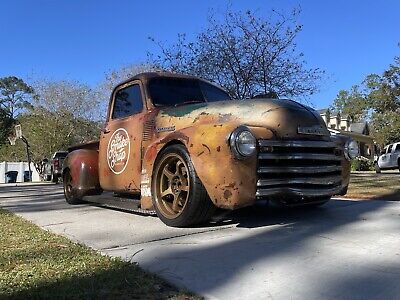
[[300, 168]]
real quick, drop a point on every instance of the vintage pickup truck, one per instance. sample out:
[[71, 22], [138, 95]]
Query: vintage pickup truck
[[181, 146]]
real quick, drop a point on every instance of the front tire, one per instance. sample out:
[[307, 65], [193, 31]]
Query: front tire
[[54, 178], [179, 197], [70, 193]]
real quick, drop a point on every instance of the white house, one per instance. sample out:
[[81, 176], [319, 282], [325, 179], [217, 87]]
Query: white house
[[21, 168], [343, 124]]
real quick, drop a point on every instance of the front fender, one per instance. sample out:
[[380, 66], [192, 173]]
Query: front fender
[[230, 183], [83, 167]]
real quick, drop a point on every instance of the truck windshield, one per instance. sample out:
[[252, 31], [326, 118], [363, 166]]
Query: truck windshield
[[177, 91]]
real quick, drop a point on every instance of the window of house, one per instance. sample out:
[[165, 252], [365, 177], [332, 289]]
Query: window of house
[[128, 101]]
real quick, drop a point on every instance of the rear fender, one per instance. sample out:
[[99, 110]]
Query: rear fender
[[83, 167]]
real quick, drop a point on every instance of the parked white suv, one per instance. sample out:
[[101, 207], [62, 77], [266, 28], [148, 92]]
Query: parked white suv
[[389, 158]]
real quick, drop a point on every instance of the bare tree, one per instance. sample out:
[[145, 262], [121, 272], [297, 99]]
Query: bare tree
[[246, 54], [65, 96], [116, 76]]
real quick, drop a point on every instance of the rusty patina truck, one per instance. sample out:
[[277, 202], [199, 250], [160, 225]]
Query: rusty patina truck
[[180, 146]]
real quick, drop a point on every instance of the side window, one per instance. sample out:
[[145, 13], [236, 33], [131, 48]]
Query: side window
[[397, 148], [128, 101], [389, 149]]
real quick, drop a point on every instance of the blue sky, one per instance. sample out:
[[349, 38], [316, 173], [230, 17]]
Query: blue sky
[[78, 39]]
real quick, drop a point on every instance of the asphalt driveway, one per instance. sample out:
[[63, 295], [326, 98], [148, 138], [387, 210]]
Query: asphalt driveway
[[346, 249]]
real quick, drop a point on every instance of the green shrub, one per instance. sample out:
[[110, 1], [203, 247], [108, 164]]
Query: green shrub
[[362, 164]]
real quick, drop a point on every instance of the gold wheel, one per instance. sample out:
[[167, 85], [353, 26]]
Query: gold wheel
[[172, 185]]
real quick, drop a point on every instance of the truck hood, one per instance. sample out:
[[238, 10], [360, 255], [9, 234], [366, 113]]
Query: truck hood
[[283, 117]]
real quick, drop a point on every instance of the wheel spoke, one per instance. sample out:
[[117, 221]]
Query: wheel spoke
[[179, 165], [168, 191], [175, 204], [168, 173]]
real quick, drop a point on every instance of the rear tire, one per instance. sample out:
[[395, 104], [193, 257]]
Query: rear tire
[[70, 193], [377, 169], [179, 197]]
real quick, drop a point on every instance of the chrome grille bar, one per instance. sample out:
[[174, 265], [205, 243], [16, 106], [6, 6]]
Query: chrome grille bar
[[304, 170], [309, 192], [304, 144], [324, 180], [313, 156]]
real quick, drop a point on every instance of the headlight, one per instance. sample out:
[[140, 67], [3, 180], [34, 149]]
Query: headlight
[[243, 143], [351, 149]]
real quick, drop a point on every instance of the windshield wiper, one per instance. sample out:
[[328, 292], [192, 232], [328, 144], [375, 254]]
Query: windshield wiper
[[189, 102]]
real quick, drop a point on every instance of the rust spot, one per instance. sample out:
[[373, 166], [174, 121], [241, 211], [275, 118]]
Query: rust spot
[[191, 145], [152, 153], [208, 148], [231, 185], [199, 116], [227, 194], [218, 148], [175, 135]]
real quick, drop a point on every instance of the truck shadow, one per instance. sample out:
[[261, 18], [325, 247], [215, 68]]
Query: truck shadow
[[280, 237]]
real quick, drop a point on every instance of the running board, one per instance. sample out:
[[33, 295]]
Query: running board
[[112, 200]]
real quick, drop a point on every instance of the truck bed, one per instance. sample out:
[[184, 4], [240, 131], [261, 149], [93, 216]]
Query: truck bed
[[92, 145]]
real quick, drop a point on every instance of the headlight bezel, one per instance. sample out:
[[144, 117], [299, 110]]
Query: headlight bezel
[[351, 149], [234, 142]]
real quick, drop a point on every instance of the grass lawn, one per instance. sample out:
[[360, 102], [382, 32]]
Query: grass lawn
[[369, 185], [36, 264]]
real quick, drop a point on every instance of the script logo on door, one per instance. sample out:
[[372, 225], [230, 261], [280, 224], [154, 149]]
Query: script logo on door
[[118, 151]]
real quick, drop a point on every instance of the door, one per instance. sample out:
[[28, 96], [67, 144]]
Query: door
[[120, 140], [384, 159], [395, 155]]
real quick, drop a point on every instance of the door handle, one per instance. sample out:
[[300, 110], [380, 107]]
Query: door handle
[[106, 130]]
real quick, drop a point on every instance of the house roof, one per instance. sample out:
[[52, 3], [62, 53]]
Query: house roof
[[360, 127], [323, 110], [345, 116]]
